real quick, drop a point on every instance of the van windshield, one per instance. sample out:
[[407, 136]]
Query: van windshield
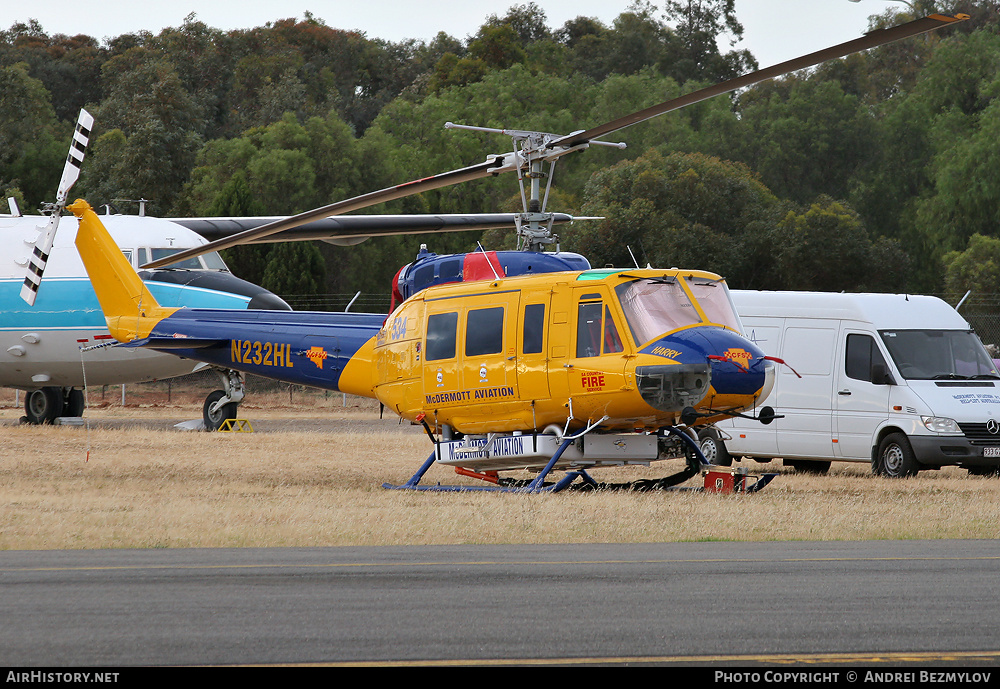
[[938, 354]]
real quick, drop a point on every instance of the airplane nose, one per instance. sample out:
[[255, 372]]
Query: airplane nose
[[222, 282]]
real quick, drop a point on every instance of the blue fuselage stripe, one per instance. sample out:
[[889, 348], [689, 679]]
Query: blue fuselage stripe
[[70, 303]]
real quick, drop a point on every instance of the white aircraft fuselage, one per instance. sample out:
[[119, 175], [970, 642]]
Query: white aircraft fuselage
[[40, 345]]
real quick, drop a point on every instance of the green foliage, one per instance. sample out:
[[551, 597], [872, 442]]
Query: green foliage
[[237, 200], [30, 137], [296, 114], [295, 268], [804, 136], [686, 210], [827, 248], [289, 167], [977, 268], [700, 24]]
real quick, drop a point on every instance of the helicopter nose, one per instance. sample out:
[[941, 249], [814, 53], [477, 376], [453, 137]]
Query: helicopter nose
[[735, 366]]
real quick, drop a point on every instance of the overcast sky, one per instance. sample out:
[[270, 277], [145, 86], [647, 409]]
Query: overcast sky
[[775, 30]]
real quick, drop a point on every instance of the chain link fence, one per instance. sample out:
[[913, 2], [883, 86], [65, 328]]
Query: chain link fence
[[359, 303], [982, 311]]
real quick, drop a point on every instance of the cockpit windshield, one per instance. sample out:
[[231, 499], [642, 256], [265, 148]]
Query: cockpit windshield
[[654, 306], [938, 354]]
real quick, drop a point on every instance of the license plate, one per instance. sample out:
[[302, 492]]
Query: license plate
[[991, 451]]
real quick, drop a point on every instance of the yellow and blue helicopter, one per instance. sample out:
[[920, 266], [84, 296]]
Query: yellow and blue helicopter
[[510, 360]]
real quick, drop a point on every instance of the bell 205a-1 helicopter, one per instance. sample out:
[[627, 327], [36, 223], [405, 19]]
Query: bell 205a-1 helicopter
[[507, 366]]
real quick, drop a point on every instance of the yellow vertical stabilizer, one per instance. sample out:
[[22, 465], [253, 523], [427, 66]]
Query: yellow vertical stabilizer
[[129, 308]]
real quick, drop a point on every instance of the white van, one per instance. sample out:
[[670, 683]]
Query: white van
[[897, 380]]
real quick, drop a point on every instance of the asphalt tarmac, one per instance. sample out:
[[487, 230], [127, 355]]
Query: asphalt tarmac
[[818, 604]]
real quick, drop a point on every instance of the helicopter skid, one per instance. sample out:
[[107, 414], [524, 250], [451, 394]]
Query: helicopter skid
[[471, 456]]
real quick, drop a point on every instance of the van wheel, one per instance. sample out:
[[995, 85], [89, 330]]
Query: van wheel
[[895, 457], [713, 448], [807, 466]]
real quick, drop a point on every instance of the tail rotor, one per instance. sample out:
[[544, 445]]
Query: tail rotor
[[71, 172]]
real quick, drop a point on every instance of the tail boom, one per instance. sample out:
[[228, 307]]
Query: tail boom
[[333, 351]]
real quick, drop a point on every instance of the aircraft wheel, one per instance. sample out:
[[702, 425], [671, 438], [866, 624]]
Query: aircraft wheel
[[44, 405], [227, 411], [714, 448], [73, 402], [895, 457]]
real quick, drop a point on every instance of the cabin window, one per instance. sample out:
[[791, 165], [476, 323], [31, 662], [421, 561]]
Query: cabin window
[[441, 329], [451, 269], [612, 343], [588, 329], [534, 328], [929, 354], [484, 332], [187, 264], [423, 276], [713, 295]]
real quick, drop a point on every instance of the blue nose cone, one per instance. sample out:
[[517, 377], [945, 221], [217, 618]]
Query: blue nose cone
[[737, 365]]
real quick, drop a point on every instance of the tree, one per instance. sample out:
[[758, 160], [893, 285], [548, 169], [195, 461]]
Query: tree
[[32, 143], [161, 127], [295, 268], [977, 268], [684, 209], [827, 248], [805, 136], [700, 24], [236, 200]]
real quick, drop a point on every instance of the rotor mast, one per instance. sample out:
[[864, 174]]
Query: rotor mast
[[531, 150]]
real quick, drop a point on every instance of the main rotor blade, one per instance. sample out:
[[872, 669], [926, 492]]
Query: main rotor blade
[[869, 40], [399, 191], [496, 164], [347, 227]]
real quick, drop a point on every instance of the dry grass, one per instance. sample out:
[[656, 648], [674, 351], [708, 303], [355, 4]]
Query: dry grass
[[312, 472]]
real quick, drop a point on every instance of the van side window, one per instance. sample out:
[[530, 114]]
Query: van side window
[[484, 331], [534, 328], [862, 352], [441, 330]]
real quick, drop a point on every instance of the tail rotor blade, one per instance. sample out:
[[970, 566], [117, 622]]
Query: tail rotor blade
[[71, 172]]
